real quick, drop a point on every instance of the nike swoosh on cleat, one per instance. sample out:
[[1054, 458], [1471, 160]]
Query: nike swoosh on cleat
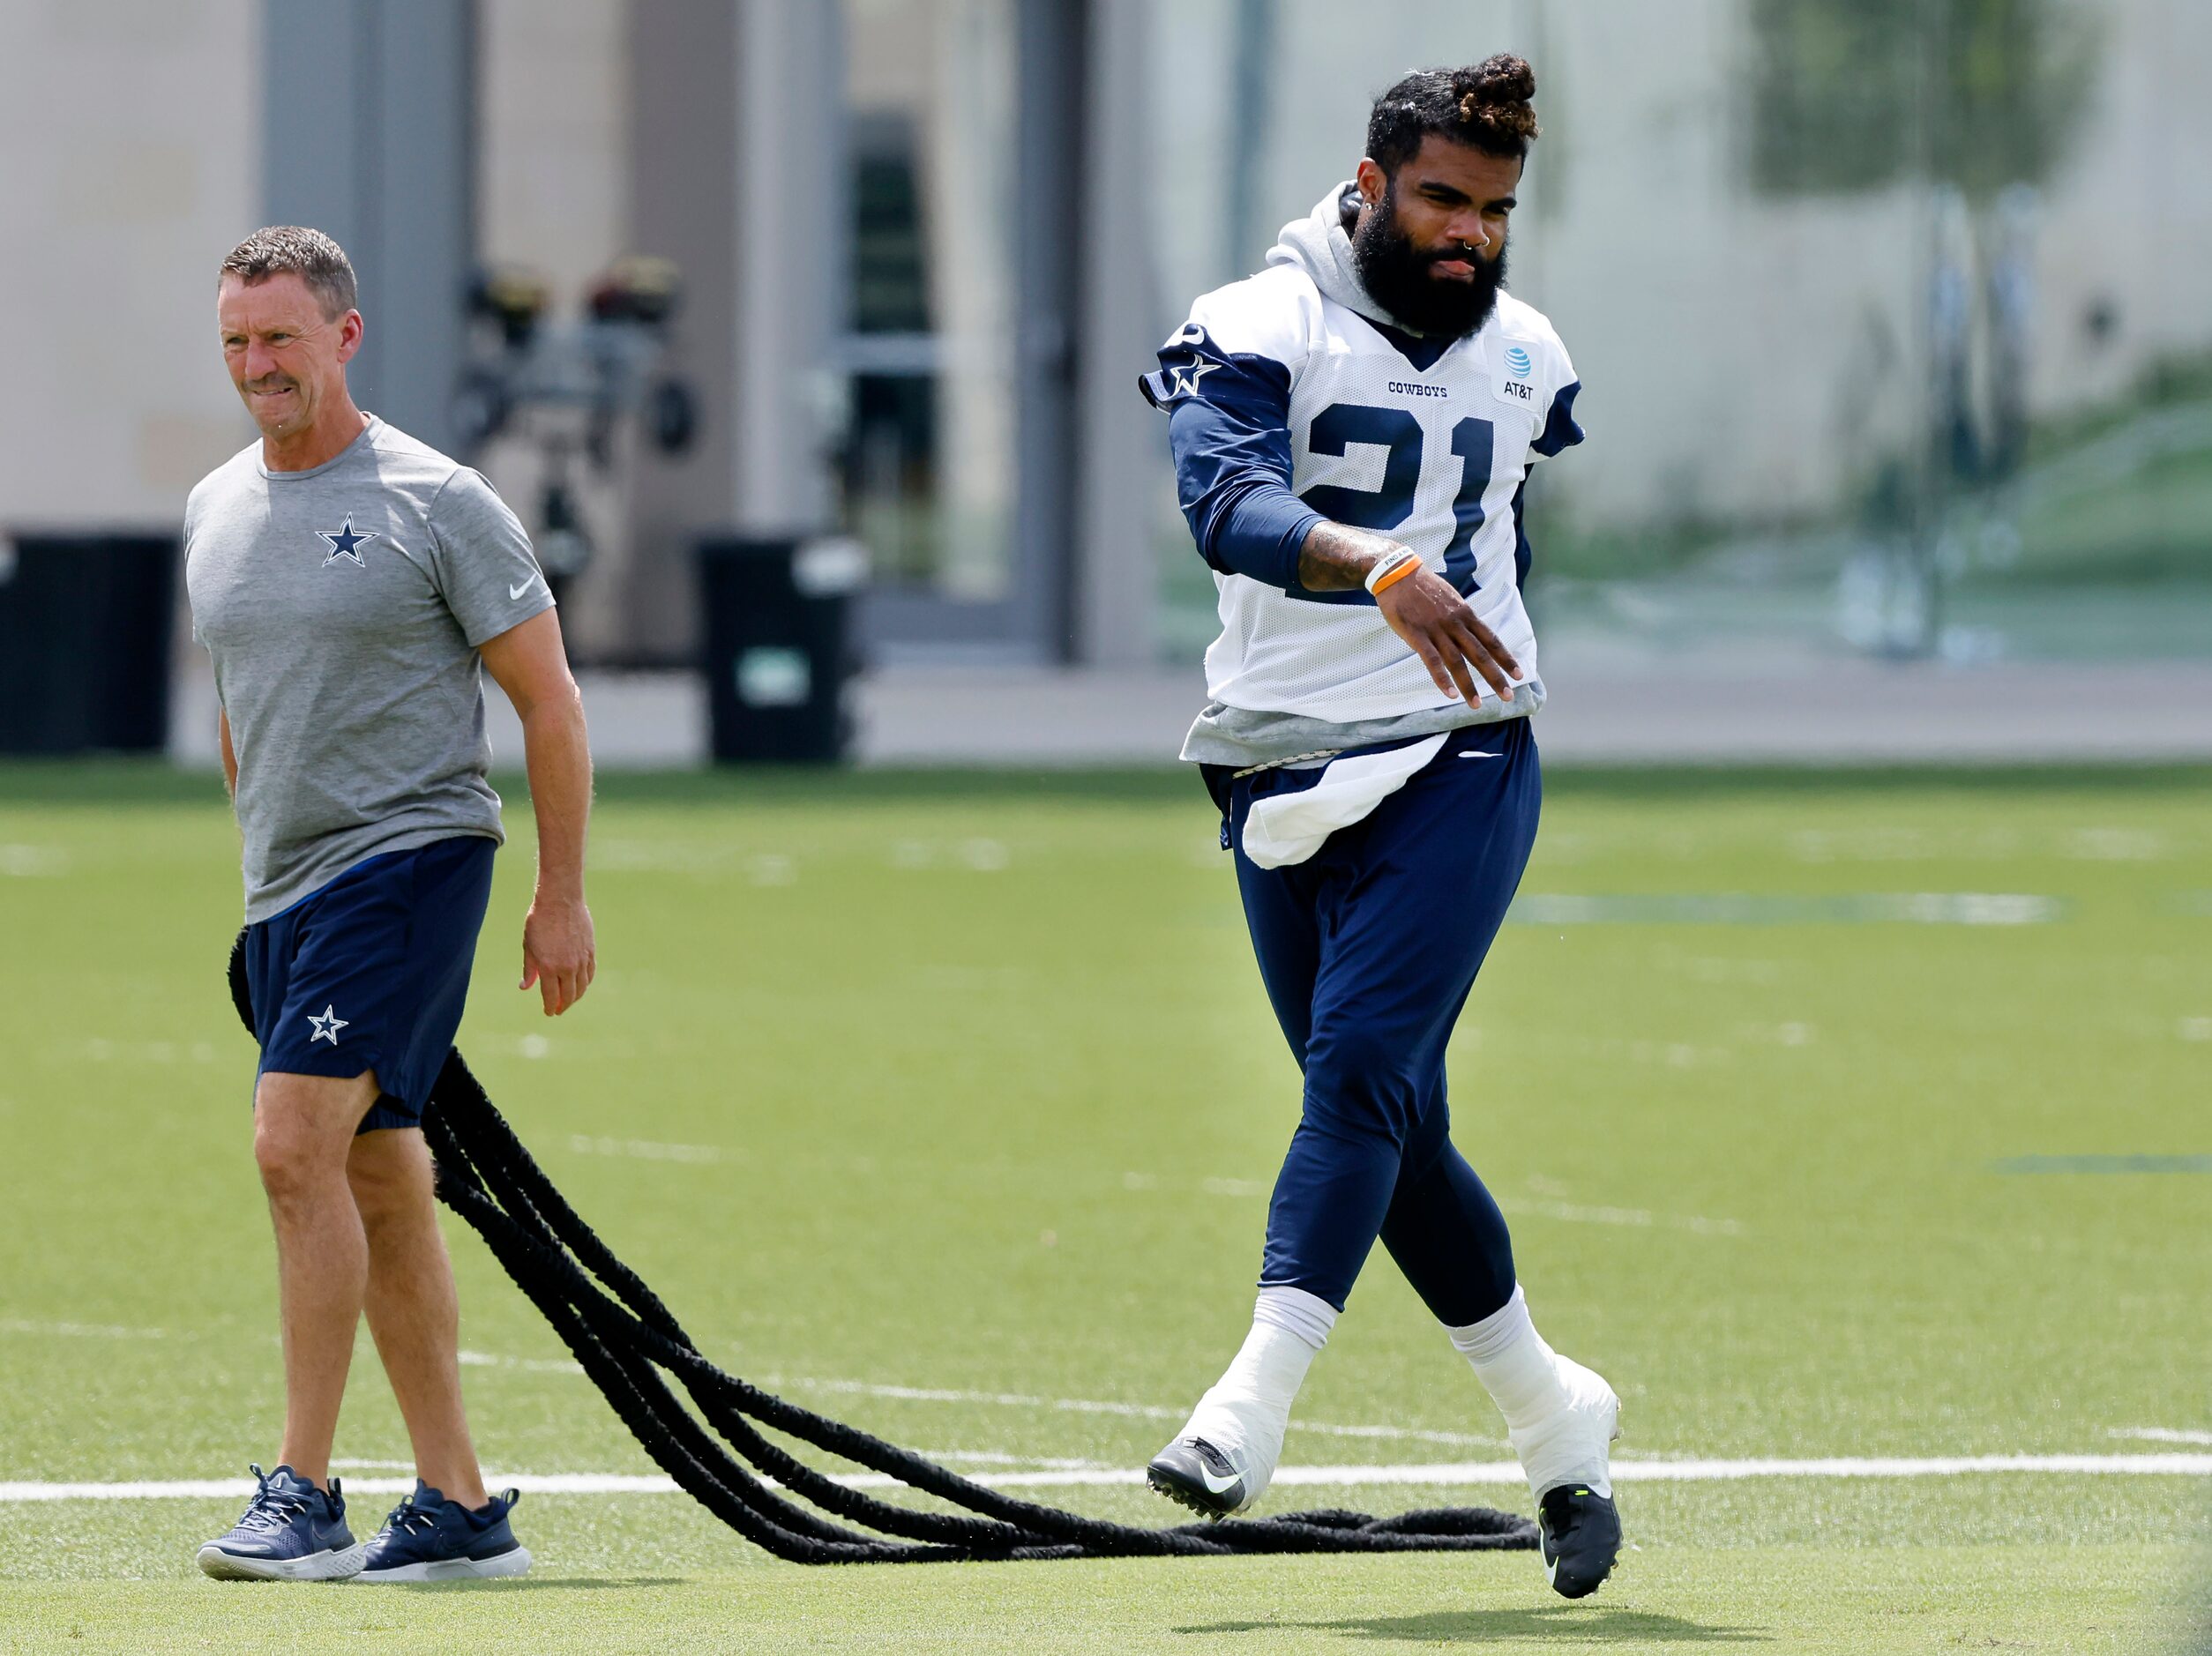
[[1221, 1487]]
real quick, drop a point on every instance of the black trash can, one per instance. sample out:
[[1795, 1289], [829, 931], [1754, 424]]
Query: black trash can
[[778, 646], [84, 630]]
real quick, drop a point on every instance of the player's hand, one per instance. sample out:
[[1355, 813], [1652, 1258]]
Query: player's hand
[[558, 954], [1442, 627]]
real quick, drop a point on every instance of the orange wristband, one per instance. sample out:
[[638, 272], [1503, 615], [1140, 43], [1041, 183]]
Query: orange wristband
[[1405, 567]]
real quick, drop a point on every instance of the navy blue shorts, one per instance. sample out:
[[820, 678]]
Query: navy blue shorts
[[372, 971]]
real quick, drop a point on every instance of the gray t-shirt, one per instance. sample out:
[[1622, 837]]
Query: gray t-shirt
[[343, 606]]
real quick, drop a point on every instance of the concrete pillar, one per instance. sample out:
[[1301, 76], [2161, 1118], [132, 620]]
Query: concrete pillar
[[737, 172], [1051, 246], [1116, 583], [794, 206], [682, 206], [368, 135]]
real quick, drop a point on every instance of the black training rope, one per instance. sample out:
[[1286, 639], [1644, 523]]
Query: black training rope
[[629, 1344]]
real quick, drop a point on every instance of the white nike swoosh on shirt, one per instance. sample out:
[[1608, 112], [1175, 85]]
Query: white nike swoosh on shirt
[[517, 592]]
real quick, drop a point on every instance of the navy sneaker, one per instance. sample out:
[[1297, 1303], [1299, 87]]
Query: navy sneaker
[[428, 1538], [1580, 1533], [291, 1531]]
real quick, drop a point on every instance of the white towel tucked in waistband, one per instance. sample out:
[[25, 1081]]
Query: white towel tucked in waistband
[[1288, 828]]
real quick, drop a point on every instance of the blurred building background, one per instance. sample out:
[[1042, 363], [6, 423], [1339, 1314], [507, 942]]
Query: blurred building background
[[1895, 318]]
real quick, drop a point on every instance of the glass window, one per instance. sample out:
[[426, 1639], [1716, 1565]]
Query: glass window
[[927, 463]]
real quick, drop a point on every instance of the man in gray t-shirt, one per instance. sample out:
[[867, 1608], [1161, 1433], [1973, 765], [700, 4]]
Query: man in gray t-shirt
[[344, 605], [352, 586]]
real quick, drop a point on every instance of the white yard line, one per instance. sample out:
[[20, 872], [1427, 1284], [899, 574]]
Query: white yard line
[[533, 1365], [1501, 1473], [2160, 1435], [1075, 1472], [644, 1149], [1636, 1217], [1090, 1406], [238, 1488], [1766, 908], [854, 1388]]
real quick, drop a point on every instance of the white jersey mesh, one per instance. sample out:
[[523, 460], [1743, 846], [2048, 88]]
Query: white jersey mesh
[[1408, 444]]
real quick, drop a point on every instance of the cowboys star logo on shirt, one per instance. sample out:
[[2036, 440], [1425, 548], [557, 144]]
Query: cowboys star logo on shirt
[[346, 542], [1175, 381]]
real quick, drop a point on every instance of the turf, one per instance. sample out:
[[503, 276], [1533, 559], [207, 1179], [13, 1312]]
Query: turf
[[965, 1084]]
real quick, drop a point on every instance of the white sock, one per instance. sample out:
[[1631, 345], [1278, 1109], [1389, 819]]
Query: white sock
[[1558, 1415], [1248, 1409]]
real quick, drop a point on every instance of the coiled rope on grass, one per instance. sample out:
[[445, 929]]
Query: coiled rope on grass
[[631, 1346]]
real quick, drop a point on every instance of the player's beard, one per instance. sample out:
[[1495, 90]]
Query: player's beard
[[1401, 278]]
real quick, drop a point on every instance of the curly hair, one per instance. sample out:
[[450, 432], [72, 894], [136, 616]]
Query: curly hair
[[1485, 106], [280, 250]]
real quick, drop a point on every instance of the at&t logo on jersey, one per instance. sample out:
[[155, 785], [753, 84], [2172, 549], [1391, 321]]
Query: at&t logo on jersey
[[1518, 366]]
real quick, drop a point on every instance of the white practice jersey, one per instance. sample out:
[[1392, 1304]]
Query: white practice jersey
[[1429, 443]]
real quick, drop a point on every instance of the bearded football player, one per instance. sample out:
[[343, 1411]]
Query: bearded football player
[[1353, 428]]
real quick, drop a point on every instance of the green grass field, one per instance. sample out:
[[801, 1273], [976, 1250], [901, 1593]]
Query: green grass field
[[966, 1085]]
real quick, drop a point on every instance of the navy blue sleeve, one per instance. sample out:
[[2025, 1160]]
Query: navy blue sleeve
[[1524, 554], [1559, 429], [1229, 430]]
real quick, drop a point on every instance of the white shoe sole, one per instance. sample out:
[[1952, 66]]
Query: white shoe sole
[[340, 1564], [512, 1563]]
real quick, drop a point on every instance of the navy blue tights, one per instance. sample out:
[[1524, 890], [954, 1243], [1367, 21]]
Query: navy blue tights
[[1368, 950]]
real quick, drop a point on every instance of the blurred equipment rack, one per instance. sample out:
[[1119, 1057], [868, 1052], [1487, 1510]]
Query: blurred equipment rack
[[607, 366]]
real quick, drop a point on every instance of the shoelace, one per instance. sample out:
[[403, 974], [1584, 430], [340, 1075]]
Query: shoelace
[[408, 1517], [272, 1509]]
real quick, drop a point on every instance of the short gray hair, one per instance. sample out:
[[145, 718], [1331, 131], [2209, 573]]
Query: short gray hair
[[294, 250]]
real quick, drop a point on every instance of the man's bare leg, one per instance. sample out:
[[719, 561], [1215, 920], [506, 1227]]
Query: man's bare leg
[[413, 1312], [303, 1130]]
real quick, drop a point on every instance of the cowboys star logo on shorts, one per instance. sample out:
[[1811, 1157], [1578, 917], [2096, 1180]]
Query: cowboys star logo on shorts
[[326, 1026], [346, 542]]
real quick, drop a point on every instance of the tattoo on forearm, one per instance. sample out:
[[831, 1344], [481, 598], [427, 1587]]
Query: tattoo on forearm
[[1336, 556]]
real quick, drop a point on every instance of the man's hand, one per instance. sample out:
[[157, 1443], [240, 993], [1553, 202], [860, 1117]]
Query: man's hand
[[558, 954], [1442, 629], [530, 664], [1423, 609]]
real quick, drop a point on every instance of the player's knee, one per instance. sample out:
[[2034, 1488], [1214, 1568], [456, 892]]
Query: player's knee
[[300, 1135], [291, 1162], [1361, 1082], [387, 1188], [1347, 1057]]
